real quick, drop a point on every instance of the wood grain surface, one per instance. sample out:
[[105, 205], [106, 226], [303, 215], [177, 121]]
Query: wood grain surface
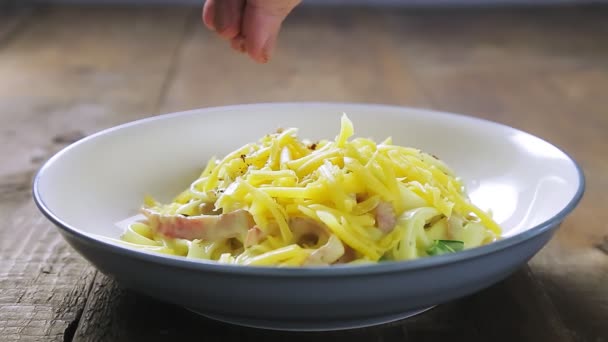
[[66, 72], [525, 314]]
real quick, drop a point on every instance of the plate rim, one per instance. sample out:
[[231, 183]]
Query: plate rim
[[333, 271]]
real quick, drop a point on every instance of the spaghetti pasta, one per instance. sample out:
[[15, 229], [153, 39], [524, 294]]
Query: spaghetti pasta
[[287, 202]]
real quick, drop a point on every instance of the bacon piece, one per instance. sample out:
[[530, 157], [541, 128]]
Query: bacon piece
[[327, 254], [209, 209], [301, 226], [348, 256], [203, 227], [254, 236], [307, 228], [385, 217]]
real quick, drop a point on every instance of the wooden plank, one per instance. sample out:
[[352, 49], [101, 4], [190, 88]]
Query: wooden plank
[[496, 65], [575, 268], [517, 309], [362, 57], [571, 266], [58, 84], [489, 40], [352, 62], [114, 314], [43, 284], [514, 310], [13, 17], [545, 81]]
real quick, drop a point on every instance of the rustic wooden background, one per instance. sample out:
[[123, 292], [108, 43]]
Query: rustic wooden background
[[66, 72]]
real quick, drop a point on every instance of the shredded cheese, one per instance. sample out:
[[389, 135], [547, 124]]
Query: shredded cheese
[[331, 190]]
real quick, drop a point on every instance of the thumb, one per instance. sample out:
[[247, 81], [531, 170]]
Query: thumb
[[261, 25]]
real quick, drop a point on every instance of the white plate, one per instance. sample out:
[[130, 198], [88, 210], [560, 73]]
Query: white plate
[[529, 184]]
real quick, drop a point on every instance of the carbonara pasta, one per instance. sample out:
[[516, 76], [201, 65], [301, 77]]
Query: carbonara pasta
[[283, 201]]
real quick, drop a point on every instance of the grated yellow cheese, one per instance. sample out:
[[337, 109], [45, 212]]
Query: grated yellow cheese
[[339, 185]]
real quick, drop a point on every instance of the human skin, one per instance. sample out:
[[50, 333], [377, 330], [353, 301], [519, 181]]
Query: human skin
[[251, 26]]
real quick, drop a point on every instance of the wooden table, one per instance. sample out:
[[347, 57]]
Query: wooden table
[[66, 72]]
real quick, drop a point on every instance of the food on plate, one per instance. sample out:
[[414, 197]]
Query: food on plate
[[287, 202]]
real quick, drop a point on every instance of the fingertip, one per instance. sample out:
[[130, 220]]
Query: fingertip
[[261, 32], [260, 59], [255, 51], [229, 32], [228, 15], [238, 44], [260, 54], [208, 14]]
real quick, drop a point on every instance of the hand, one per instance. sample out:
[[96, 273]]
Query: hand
[[252, 26]]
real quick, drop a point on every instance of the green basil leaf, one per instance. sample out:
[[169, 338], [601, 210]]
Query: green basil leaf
[[440, 247]]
